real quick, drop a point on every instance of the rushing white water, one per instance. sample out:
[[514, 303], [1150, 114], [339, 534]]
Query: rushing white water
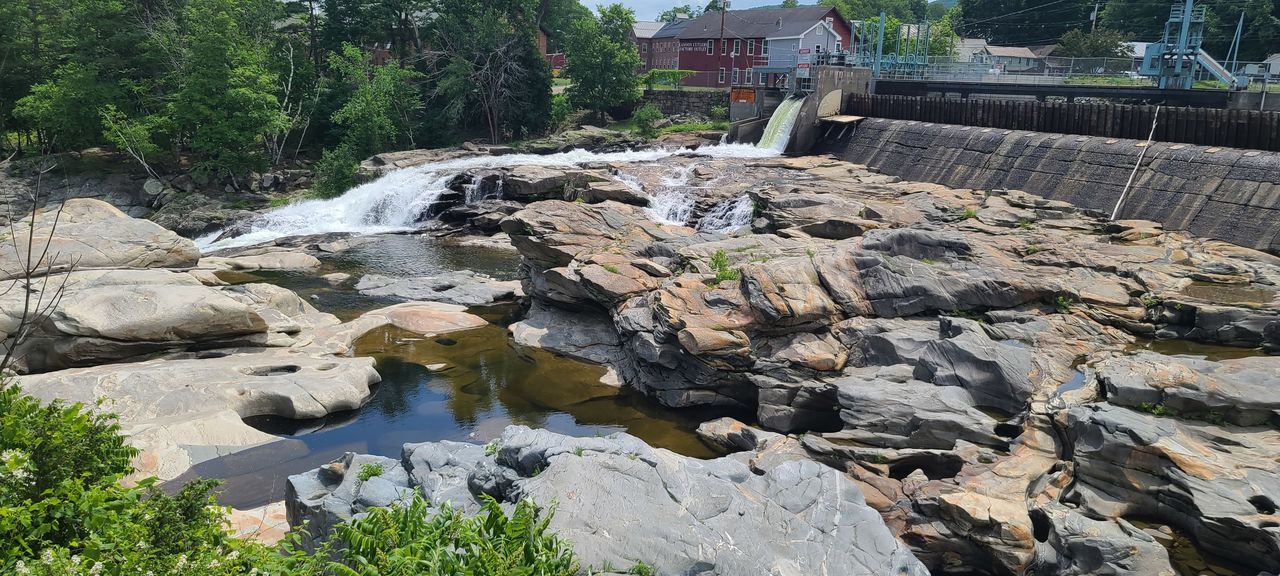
[[728, 215], [777, 133], [397, 200], [673, 204]]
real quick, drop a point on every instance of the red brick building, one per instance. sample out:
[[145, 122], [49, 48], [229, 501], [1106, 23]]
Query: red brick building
[[642, 34], [754, 37]]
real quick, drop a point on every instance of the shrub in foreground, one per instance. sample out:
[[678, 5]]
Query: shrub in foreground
[[63, 511]]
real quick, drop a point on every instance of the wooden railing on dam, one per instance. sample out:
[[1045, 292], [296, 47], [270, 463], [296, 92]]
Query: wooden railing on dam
[[1203, 126]]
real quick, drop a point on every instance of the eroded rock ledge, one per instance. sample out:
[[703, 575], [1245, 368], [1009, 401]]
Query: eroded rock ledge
[[620, 501], [967, 356]]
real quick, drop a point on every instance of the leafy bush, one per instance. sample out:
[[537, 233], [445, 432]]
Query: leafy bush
[[719, 112], [672, 78], [412, 540], [720, 266], [369, 471], [335, 172], [62, 510], [561, 108], [645, 118]]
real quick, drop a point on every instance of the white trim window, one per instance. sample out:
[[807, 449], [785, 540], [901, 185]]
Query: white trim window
[[764, 48], [711, 47], [751, 47], [762, 79], [750, 78], [724, 47], [839, 47], [735, 77], [737, 47], [720, 79]]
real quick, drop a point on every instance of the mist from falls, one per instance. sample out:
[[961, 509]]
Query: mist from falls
[[397, 200]]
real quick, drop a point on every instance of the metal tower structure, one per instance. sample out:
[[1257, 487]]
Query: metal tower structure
[[1174, 60]]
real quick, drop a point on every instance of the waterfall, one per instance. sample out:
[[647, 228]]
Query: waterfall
[[728, 215], [397, 200], [672, 204], [778, 132]]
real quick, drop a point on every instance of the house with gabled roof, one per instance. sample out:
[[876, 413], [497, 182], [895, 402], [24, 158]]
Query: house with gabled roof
[[752, 37]]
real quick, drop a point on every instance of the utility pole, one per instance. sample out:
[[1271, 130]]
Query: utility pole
[[1094, 17]]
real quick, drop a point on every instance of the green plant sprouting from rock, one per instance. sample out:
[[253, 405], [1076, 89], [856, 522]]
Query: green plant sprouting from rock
[[369, 471], [720, 267]]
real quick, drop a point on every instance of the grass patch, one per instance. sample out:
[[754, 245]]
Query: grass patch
[[1026, 224], [1063, 304], [610, 268], [279, 202], [968, 213], [1032, 249]]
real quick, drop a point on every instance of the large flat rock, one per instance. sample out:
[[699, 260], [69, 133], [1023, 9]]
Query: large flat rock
[[620, 501]]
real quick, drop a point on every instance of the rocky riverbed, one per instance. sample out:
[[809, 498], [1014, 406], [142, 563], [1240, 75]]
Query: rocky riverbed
[[924, 379]]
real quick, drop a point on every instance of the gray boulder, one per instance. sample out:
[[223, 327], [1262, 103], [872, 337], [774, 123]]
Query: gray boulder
[[462, 287], [1076, 545], [1243, 391], [94, 234], [620, 502]]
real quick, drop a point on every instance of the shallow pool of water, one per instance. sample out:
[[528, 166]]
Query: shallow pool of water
[[1203, 351], [486, 384]]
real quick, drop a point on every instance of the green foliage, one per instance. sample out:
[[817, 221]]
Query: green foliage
[[670, 14], [658, 77], [1023, 22], [720, 267], [1025, 224], [928, 261], [1154, 409], [227, 99], [1063, 304], [1032, 249], [968, 213], [560, 111], [383, 105], [66, 106], [645, 117], [610, 268], [640, 568], [602, 61], [492, 448], [1101, 43], [1150, 301], [62, 510], [335, 173], [412, 539], [719, 112], [279, 202], [369, 471]]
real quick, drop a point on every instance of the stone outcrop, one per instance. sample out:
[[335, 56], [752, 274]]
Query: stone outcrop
[[677, 514], [181, 356], [91, 233], [462, 287], [954, 351]]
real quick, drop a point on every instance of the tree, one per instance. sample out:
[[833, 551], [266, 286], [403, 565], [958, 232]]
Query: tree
[[790, 3], [492, 73], [381, 111], [671, 14], [601, 60], [227, 99], [1145, 21], [904, 10], [1022, 22], [1101, 43]]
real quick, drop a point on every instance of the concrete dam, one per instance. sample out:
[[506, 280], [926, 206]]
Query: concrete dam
[[1224, 193]]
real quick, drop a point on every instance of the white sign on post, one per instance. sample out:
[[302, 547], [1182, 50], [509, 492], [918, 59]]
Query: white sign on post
[[802, 70]]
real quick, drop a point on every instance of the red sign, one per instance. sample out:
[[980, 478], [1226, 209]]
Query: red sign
[[804, 50]]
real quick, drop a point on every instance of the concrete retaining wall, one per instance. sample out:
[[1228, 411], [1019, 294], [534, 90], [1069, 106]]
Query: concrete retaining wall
[[1224, 193], [673, 102]]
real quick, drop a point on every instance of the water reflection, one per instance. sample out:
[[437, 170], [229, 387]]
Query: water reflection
[[485, 384]]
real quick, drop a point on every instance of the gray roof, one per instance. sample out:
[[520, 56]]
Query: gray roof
[[646, 29], [672, 29], [759, 23]]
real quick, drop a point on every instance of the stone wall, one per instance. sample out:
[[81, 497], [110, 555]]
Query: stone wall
[[1224, 193], [673, 102]]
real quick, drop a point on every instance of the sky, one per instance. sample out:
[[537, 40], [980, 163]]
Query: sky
[[650, 9]]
